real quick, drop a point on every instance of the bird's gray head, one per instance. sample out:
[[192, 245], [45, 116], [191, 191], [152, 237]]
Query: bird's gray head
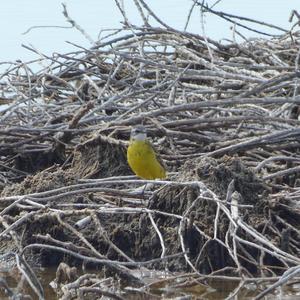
[[138, 133]]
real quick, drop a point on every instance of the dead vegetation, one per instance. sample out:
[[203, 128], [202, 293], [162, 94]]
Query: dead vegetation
[[225, 119]]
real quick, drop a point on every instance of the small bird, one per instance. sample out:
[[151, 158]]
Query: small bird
[[141, 156]]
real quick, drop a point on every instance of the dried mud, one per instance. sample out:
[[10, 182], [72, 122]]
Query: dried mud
[[133, 234]]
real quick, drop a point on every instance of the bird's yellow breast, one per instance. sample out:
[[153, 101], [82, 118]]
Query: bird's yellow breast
[[143, 162]]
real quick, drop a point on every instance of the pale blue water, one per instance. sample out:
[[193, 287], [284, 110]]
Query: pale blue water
[[16, 16]]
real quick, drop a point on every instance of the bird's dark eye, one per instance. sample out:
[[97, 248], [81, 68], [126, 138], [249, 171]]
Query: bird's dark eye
[[139, 131]]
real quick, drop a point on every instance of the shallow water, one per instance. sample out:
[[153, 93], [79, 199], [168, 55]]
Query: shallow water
[[216, 290]]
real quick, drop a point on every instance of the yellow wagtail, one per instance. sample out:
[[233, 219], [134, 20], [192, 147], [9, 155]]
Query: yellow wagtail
[[141, 156]]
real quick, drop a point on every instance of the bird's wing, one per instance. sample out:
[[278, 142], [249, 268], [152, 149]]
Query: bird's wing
[[162, 163]]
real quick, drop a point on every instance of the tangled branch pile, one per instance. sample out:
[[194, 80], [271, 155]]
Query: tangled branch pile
[[224, 118]]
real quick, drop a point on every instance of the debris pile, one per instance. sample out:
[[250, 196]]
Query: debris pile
[[223, 117]]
